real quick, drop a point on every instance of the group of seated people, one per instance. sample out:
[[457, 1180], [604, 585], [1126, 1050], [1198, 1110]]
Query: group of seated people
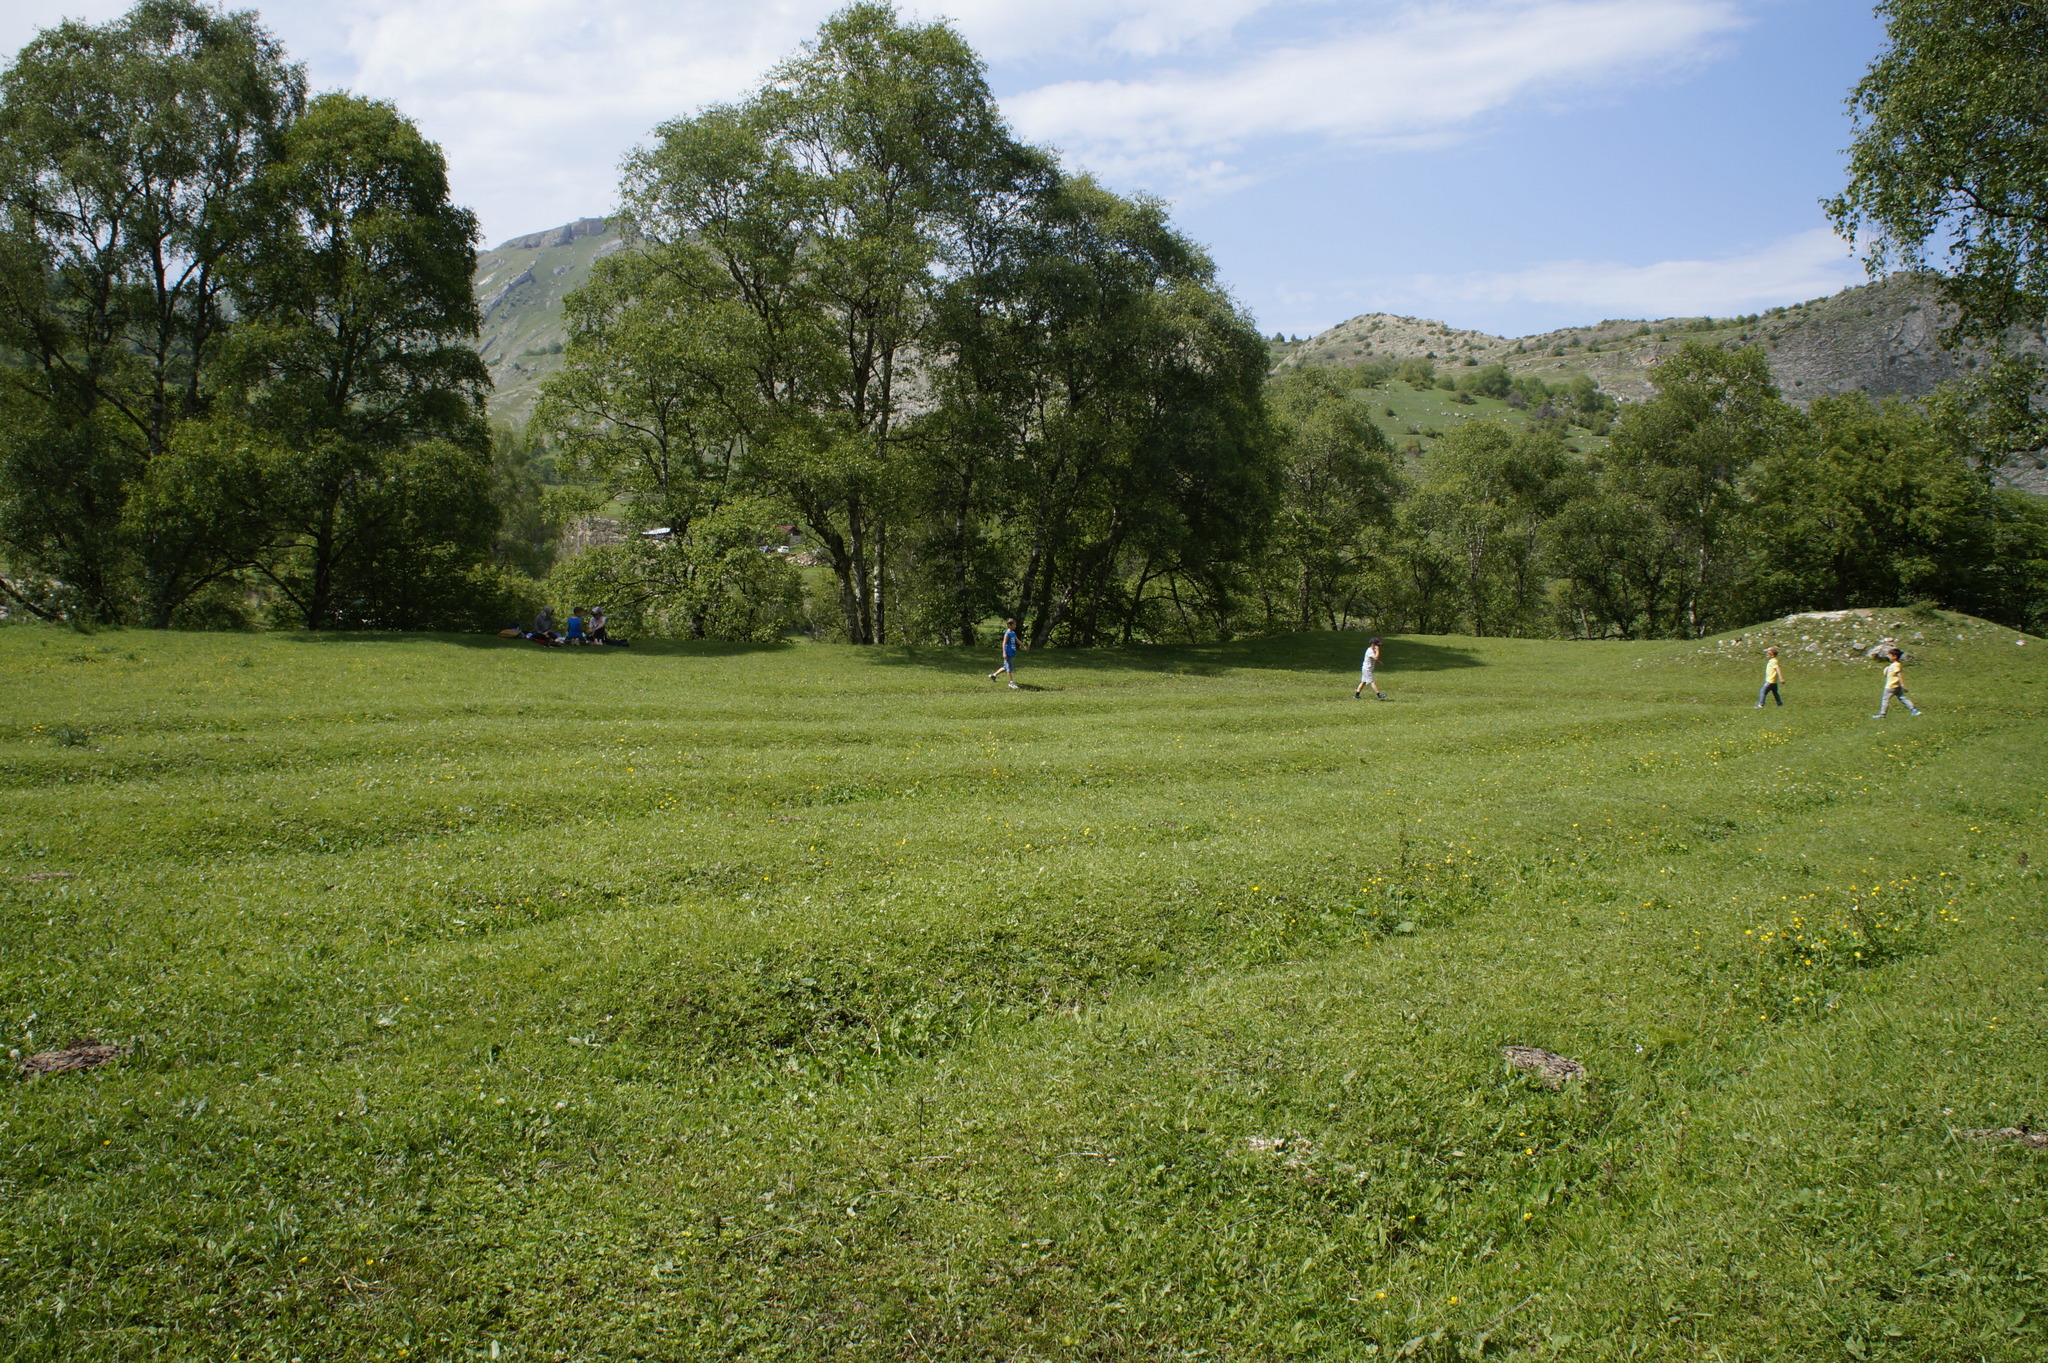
[[581, 629]]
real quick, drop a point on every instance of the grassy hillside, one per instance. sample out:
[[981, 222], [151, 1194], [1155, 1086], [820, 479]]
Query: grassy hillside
[[697, 1002], [1412, 418], [520, 285]]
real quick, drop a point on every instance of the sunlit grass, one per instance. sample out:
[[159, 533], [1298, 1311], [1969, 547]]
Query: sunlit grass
[[808, 1001]]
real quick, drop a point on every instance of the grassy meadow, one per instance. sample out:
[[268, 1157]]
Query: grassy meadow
[[698, 1002], [1409, 415]]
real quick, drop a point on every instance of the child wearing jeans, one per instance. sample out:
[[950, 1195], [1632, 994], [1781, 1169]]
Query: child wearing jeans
[[1773, 674], [1894, 685]]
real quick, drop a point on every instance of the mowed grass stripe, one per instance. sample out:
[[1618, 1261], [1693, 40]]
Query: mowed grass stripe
[[380, 1082], [1370, 1058]]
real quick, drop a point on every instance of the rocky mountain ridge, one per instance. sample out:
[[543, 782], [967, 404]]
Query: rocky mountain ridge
[[1881, 338], [520, 284]]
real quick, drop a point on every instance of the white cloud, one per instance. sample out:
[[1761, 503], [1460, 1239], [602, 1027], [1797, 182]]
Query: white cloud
[[1423, 74], [1005, 30], [536, 101], [1807, 265]]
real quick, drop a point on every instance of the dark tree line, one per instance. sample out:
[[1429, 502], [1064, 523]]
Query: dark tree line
[[237, 377], [234, 327]]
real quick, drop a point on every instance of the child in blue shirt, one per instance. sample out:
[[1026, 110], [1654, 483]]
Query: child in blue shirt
[[1009, 667]]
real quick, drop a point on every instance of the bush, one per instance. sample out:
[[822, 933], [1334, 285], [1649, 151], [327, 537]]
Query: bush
[[1417, 373], [711, 581], [1493, 381]]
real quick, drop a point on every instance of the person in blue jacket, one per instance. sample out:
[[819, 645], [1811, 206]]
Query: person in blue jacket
[[575, 635], [1009, 667]]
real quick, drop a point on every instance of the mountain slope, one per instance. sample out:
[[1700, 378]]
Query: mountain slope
[[1878, 338], [520, 285]]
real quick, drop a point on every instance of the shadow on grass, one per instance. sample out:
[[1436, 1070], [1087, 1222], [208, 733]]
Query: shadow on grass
[[1313, 652], [661, 648], [1317, 652]]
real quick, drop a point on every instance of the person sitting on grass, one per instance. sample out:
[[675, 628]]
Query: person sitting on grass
[[1009, 665], [544, 624], [1894, 685], [1773, 674], [595, 630], [575, 635]]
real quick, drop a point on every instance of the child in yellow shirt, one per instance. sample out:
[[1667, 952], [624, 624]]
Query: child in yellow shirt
[[1894, 685], [1773, 674]]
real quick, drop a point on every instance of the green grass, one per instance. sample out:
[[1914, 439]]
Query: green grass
[[1437, 411], [694, 1002]]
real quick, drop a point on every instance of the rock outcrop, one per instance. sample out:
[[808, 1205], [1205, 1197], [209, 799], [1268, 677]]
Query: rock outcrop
[[557, 236], [1883, 339]]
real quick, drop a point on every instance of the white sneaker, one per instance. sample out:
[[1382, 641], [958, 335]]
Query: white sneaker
[[1013, 686]]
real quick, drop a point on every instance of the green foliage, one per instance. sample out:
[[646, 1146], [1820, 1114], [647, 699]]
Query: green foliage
[[1683, 457], [1866, 506], [235, 328], [978, 385], [1475, 525], [1338, 488], [713, 582], [356, 303], [1948, 174], [130, 149], [1417, 373], [1950, 158], [522, 475], [1991, 416], [1492, 381]]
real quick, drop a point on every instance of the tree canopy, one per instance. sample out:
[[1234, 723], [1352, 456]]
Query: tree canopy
[[236, 327]]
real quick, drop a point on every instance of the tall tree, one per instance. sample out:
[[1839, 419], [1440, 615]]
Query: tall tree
[[127, 151], [1124, 390], [1683, 457], [970, 378], [1949, 168], [352, 354], [1487, 492], [1949, 173], [836, 202], [1863, 505], [1619, 573], [1338, 490]]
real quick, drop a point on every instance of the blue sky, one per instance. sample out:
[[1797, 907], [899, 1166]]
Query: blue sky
[[1510, 165]]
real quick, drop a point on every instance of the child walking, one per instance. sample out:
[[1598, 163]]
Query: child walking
[[1773, 674], [1372, 660], [1894, 685], [1009, 667]]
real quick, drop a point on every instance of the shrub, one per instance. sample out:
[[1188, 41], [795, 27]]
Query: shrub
[[712, 581]]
